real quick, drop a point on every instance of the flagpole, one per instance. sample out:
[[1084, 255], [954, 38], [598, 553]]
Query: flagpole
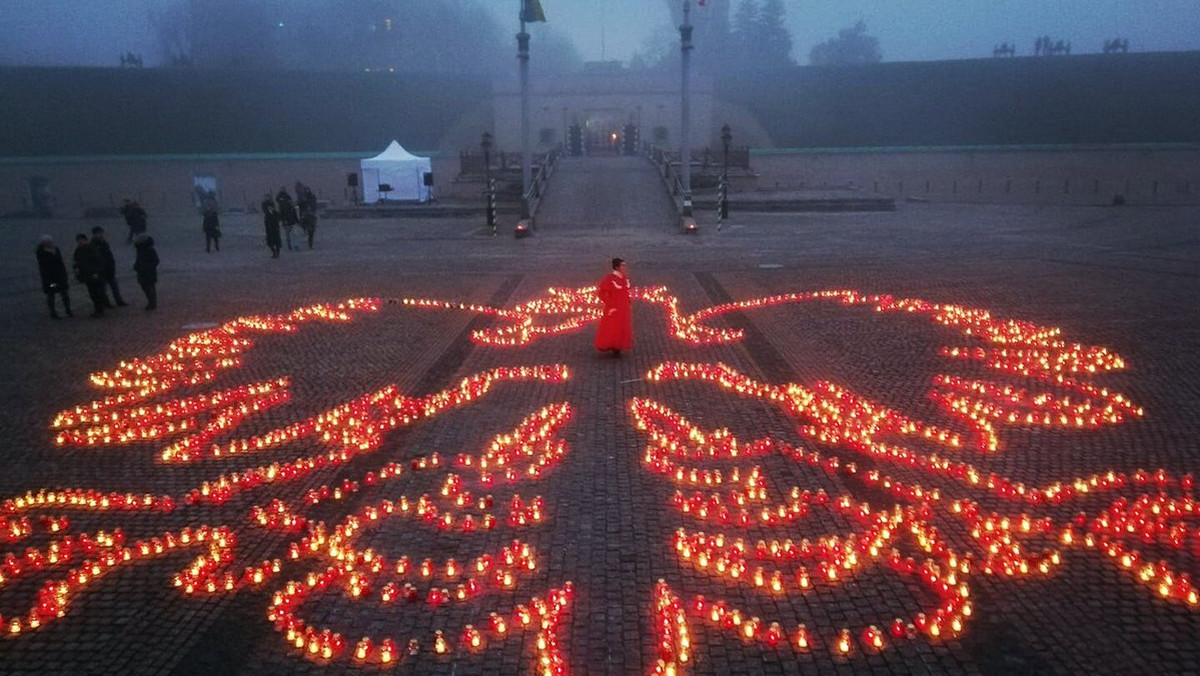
[[602, 22], [523, 58], [685, 150]]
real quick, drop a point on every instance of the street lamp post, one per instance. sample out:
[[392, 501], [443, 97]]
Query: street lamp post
[[726, 137], [489, 189], [685, 150], [526, 168]]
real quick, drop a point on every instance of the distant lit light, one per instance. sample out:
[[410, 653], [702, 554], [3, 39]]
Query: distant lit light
[[281, 24]]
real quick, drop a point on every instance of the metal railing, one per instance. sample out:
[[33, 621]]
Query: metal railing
[[532, 200], [663, 160]]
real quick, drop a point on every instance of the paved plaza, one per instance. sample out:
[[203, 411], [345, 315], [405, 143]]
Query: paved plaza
[[972, 455]]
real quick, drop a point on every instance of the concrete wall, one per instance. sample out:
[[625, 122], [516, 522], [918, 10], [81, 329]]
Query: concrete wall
[[1076, 100], [1142, 175], [164, 185], [165, 111]]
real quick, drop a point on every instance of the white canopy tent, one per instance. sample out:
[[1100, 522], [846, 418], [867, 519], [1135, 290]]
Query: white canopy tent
[[399, 170]]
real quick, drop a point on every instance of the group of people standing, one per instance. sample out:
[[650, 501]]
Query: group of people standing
[[95, 267], [282, 212]]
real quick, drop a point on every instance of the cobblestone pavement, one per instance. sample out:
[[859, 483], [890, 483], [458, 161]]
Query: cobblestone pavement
[[1122, 279]]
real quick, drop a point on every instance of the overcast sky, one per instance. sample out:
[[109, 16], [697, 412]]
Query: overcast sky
[[94, 32]]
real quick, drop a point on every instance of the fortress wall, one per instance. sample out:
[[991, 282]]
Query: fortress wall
[[1142, 175]]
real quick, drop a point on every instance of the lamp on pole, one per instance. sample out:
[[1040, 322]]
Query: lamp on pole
[[685, 150], [726, 137], [523, 59], [486, 145]]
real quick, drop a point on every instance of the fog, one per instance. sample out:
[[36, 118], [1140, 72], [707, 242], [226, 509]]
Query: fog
[[36, 32]]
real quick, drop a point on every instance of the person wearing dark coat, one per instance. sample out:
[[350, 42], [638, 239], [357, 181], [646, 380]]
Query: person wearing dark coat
[[212, 229], [54, 275], [145, 264], [271, 225], [135, 218], [308, 214], [109, 265], [89, 270], [288, 217]]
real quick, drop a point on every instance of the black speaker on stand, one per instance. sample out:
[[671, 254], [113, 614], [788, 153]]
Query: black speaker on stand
[[352, 185], [427, 179]]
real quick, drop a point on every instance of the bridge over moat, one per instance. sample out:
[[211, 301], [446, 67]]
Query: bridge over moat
[[606, 193]]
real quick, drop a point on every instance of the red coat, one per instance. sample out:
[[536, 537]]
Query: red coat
[[616, 326]]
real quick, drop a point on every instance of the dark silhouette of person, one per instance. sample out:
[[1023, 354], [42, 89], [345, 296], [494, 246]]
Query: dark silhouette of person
[[135, 218], [145, 264], [307, 206], [90, 271], [108, 265], [271, 225], [54, 275], [288, 217], [211, 225]]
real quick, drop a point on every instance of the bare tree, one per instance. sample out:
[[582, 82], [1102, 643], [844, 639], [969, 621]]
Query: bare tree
[[172, 31], [393, 35], [235, 34], [852, 45]]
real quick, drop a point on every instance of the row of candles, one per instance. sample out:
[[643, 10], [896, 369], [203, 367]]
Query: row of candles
[[543, 615], [674, 442], [674, 642], [841, 418], [103, 552], [531, 441], [362, 573], [197, 358], [358, 427]]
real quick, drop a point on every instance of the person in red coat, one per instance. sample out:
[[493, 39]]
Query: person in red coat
[[615, 332]]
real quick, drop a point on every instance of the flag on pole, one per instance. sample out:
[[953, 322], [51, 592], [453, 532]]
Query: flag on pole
[[532, 11]]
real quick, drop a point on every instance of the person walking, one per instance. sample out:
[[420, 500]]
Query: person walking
[[287, 214], [108, 265], [615, 332], [211, 225], [271, 225], [145, 264], [90, 271], [54, 274]]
